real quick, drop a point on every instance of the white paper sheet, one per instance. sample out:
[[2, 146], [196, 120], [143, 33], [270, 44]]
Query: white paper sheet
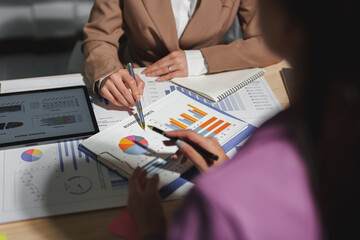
[[51, 179], [126, 143]]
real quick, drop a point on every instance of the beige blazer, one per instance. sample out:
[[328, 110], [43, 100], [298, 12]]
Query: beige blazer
[[151, 31]]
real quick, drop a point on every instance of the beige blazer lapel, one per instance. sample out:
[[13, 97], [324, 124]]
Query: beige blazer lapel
[[160, 11], [205, 15]]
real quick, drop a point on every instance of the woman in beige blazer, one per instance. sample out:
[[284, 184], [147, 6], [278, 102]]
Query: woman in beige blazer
[[154, 40]]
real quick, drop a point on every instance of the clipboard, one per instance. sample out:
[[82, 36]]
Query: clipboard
[[187, 176]]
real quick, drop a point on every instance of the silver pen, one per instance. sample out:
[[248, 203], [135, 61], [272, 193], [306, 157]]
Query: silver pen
[[138, 103]]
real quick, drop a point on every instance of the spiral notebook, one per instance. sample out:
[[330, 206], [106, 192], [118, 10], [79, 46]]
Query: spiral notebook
[[218, 86]]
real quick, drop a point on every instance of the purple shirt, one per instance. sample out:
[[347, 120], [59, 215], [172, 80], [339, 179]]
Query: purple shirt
[[262, 193]]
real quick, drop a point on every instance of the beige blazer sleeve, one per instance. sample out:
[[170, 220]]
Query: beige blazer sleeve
[[151, 31], [240, 54], [101, 43]]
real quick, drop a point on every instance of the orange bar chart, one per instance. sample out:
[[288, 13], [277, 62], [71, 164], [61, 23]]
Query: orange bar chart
[[190, 118], [211, 127], [178, 124], [208, 122], [215, 125], [205, 124], [185, 120], [217, 131], [197, 110]]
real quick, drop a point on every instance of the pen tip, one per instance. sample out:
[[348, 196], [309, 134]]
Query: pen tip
[[143, 125]]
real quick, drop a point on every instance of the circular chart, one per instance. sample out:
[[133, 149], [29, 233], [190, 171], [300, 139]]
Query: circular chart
[[134, 145], [31, 155], [78, 185]]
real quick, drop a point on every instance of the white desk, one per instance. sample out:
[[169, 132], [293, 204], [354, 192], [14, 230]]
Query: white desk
[[92, 225]]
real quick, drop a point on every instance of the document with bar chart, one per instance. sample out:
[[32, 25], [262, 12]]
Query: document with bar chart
[[127, 145], [51, 179], [255, 103]]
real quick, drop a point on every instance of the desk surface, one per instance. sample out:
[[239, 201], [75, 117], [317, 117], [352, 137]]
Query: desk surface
[[92, 225]]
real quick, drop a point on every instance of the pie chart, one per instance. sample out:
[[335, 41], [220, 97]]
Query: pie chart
[[134, 145], [31, 155]]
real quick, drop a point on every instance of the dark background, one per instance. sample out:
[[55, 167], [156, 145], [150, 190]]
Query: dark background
[[37, 37], [43, 37]]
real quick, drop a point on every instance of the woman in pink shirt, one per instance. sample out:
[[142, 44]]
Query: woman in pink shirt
[[297, 176]]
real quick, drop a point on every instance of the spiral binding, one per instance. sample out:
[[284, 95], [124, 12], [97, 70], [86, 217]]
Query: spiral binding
[[240, 85]]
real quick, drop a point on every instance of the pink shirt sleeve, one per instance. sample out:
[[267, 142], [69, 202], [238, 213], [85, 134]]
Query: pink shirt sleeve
[[201, 219], [262, 193]]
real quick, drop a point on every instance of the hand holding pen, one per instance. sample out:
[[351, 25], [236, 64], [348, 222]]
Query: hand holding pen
[[138, 102], [202, 151], [121, 89]]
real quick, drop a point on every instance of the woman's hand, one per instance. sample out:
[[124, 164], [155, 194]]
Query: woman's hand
[[144, 204], [116, 88], [169, 67], [209, 144]]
